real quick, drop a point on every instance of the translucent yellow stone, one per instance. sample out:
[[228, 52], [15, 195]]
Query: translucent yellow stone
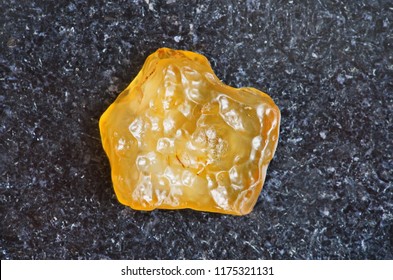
[[177, 137]]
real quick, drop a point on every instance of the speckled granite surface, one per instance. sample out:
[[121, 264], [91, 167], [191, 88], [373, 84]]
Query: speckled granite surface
[[328, 66]]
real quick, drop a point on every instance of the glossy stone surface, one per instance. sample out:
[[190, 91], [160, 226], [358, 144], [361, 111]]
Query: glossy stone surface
[[177, 137]]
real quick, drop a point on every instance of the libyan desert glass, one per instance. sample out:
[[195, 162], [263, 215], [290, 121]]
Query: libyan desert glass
[[177, 137]]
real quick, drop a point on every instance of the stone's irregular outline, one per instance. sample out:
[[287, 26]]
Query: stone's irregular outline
[[177, 137]]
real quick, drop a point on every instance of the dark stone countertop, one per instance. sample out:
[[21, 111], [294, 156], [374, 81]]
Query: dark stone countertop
[[328, 65]]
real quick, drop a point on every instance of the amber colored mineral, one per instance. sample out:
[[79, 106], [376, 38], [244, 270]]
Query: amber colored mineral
[[177, 137]]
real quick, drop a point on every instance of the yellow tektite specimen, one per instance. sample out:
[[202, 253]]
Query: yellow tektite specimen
[[177, 137]]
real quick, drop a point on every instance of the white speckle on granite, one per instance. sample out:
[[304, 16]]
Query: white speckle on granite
[[341, 79], [322, 134], [295, 140]]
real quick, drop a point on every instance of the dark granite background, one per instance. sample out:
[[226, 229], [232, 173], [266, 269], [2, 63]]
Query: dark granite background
[[327, 64]]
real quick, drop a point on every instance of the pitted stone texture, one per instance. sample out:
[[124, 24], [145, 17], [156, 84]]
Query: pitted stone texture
[[177, 137]]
